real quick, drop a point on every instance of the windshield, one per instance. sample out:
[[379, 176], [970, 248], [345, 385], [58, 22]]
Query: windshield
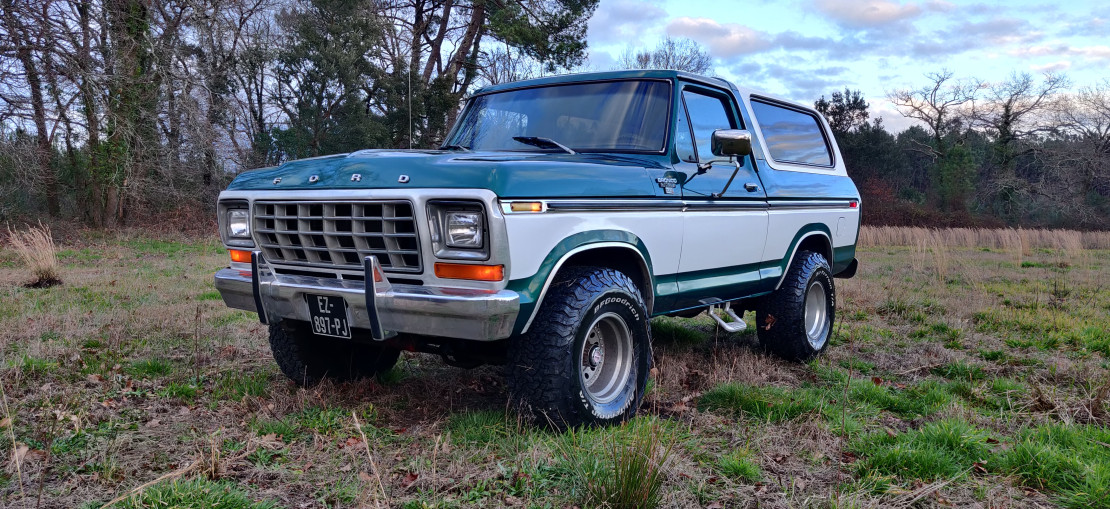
[[616, 116]]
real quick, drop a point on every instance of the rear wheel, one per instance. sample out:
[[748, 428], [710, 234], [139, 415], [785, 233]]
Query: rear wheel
[[586, 357], [796, 321], [308, 359]]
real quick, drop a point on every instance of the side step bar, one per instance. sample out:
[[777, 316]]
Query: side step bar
[[736, 325]]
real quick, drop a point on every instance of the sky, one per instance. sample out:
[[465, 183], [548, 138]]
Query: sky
[[803, 49]]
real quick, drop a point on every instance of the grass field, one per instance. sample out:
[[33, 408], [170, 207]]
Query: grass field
[[958, 376]]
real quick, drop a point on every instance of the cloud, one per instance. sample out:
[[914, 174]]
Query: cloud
[[724, 41], [1093, 52], [1061, 65], [868, 14], [624, 21], [1061, 50]]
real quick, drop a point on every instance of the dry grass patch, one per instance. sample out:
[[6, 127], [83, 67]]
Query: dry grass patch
[[35, 247]]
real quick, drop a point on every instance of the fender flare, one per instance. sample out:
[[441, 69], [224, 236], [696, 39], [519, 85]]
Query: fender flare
[[813, 229], [630, 243]]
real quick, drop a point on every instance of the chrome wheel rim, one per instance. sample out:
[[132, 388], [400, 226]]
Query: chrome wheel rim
[[817, 314], [605, 360]]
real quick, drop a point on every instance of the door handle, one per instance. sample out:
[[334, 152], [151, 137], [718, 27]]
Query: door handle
[[751, 187]]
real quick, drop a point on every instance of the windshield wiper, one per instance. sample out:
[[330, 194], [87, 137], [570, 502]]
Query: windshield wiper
[[537, 141], [463, 148]]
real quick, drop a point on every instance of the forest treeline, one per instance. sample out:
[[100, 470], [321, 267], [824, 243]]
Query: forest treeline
[[112, 110], [1024, 151]]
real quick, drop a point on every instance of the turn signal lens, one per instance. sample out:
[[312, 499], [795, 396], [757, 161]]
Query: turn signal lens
[[526, 206], [240, 256], [471, 272]]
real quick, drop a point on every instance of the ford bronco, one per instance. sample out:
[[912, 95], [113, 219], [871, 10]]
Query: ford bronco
[[557, 218]]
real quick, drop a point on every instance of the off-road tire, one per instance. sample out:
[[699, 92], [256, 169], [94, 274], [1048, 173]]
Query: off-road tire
[[781, 316], [307, 359], [545, 369]]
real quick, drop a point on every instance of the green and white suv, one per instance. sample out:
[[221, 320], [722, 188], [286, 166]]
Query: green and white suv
[[560, 215]]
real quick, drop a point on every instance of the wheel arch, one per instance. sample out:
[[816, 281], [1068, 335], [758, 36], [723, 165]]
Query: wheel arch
[[814, 237], [628, 255]]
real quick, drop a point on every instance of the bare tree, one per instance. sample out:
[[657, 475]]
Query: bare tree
[[679, 54], [503, 65], [1012, 111], [23, 36], [943, 105]]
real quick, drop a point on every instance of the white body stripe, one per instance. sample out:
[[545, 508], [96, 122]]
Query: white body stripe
[[712, 239], [534, 236], [783, 225]]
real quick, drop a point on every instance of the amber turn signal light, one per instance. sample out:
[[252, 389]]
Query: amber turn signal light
[[239, 256], [472, 272]]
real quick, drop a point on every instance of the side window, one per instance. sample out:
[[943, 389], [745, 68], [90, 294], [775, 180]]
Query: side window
[[707, 114], [792, 136]]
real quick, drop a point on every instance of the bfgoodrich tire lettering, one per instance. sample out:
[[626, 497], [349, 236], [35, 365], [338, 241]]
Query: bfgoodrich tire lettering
[[796, 321], [308, 359], [586, 358]]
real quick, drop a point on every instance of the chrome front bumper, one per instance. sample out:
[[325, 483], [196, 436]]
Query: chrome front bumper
[[389, 309]]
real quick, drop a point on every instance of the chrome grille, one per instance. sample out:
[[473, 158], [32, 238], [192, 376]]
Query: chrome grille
[[338, 235]]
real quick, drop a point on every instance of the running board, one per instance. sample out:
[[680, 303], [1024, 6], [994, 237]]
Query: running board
[[736, 325]]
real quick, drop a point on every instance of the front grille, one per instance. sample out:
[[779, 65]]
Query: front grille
[[338, 235]]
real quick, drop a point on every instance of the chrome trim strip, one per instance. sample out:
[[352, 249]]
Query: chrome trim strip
[[809, 204], [693, 204], [618, 205]]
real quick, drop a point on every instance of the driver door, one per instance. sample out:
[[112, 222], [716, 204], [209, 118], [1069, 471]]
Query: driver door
[[723, 236]]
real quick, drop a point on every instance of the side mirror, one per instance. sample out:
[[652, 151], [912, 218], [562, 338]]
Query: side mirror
[[731, 142]]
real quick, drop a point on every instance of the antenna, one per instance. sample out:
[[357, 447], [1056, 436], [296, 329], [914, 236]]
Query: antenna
[[410, 104]]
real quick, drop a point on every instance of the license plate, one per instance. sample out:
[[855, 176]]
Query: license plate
[[329, 316]]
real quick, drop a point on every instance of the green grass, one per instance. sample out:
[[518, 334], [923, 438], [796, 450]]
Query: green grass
[[938, 450], [480, 428], [960, 370], [194, 493], [1071, 461], [675, 331], [236, 386], [150, 368], [626, 466], [185, 391], [739, 465], [763, 403]]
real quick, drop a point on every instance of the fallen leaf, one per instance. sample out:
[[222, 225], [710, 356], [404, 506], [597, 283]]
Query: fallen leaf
[[410, 478], [364, 477], [876, 380], [345, 468], [5, 422]]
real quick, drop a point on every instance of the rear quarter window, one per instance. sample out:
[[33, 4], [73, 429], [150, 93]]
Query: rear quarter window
[[792, 136]]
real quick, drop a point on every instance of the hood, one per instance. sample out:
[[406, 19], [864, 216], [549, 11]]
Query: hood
[[508, 174]]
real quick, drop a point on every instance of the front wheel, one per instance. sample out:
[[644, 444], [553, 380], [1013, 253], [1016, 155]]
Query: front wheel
[[796, 321], [308, 359], [586, 357]]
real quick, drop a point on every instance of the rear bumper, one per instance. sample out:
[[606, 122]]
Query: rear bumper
[[386, 311]]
